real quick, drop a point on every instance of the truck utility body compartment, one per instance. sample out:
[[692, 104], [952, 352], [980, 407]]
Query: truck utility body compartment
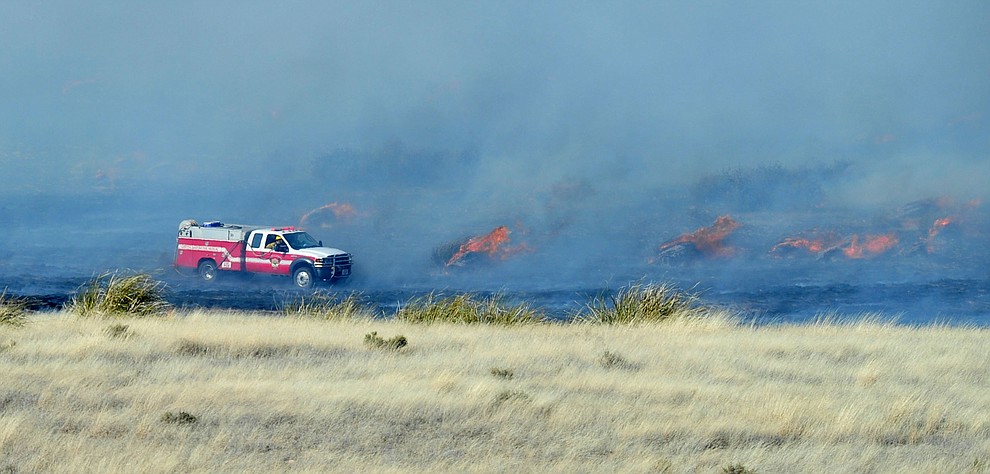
[[216, 247], [228, 232]]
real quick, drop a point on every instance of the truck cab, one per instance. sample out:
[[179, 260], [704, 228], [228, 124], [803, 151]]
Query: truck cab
[[295, 253]]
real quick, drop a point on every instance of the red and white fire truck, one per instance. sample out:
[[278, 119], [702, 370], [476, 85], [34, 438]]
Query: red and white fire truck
[[215, 247]]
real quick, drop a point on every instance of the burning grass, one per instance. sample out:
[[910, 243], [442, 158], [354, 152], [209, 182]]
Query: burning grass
[[275, 394], [113, 294], [707, 241], [493, 245]]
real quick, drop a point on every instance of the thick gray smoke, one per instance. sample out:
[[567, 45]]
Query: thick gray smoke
[[595, 132]]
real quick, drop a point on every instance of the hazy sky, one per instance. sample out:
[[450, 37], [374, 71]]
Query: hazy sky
[[93, 92]]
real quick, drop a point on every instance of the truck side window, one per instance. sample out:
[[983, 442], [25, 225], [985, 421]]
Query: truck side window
[[256, 241], [270, 240]]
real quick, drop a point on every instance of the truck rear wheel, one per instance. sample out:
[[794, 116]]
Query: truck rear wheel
[[207, 270], [302, 277]]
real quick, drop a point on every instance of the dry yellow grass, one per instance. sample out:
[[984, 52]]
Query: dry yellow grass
[[275, 393]]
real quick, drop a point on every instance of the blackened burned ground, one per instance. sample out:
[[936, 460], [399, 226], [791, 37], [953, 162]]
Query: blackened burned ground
[[952, 301], [55, 253]]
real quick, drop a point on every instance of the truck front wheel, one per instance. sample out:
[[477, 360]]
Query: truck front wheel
[[207, 270], [302, 277]]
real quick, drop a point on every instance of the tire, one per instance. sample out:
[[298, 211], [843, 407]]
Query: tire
[[302, 277], [207, 270]]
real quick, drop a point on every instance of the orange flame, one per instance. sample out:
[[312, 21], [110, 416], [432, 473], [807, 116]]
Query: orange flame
[[342, 211], [491, 243], [708, 240], [936, 228], [811, 245], [872, 245]]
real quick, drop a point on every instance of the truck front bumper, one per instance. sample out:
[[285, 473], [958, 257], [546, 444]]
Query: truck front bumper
[[333, 267]]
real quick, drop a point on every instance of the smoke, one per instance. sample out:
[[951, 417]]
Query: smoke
[[594, 132]]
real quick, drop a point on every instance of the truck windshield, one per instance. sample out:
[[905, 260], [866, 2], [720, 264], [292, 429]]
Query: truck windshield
[[300, 240]]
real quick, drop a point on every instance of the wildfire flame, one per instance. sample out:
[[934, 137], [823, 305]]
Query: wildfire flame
[[708, 240], [830, 244], [872, 245], [493, 243], [341, 211], [811, 245], [933, 232]]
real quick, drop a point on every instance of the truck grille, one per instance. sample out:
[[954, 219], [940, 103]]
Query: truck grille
[[342, 260]]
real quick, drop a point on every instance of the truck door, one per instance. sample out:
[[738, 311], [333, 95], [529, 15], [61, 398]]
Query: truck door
[[261, 259]]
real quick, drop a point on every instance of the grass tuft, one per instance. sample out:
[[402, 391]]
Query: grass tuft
[[374, 341], [180, 418], [466, 308], [639, 303], [118, 331], [502, 373], [737, 469], [328, 307], [112, 294], [13, 311], [611, 360]]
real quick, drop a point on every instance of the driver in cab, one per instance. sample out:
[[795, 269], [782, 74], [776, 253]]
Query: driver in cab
[[277, 244]]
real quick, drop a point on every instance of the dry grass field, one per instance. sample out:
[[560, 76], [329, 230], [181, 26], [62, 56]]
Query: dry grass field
[[225, 392]]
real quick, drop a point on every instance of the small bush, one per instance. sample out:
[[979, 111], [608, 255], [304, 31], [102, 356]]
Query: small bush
[[374, 341], [13, 311], [641, 304], [111, 294], [118, 331], [180, 418], [328, 307], [467, 309], [611, 360], [187, 347], [502, 373], [737, 469]]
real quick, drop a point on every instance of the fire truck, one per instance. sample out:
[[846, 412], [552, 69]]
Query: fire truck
[[215, 247]]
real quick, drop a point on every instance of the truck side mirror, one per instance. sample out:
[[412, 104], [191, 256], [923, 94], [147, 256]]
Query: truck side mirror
[[321, 243]]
